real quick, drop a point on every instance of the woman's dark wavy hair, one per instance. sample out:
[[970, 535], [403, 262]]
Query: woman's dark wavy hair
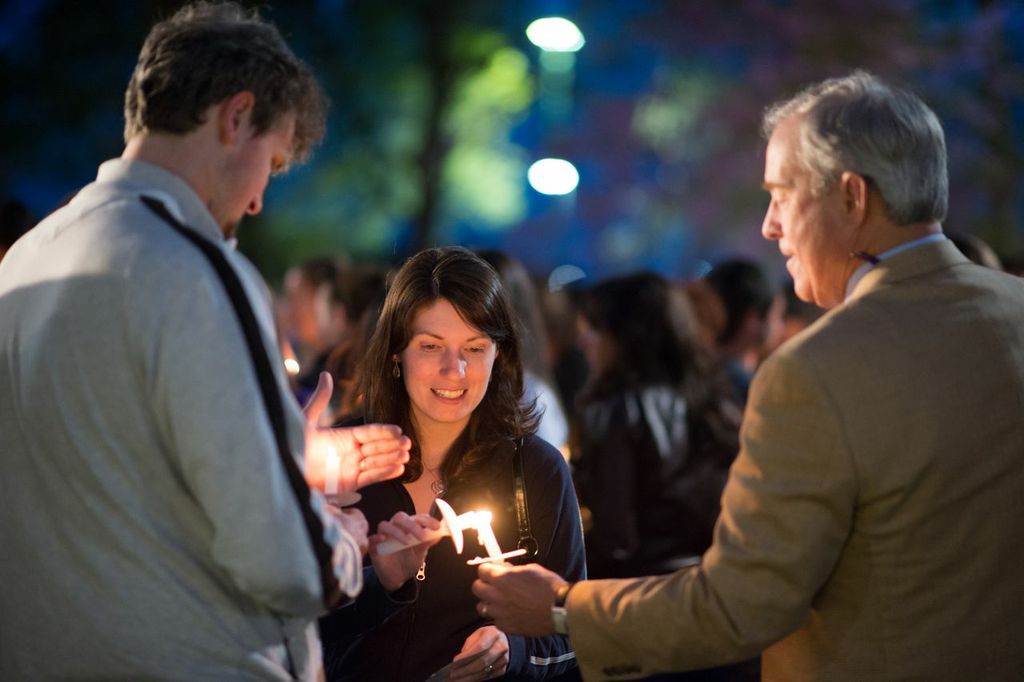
[[473, 288], [654, 331]]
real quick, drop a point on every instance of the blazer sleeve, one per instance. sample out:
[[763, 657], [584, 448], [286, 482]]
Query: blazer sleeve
[[555, 522], [787, 510]]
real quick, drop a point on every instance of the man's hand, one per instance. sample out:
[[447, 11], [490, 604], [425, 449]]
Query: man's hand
[[394, 570], [517, 598], [354, 523], [494, 662], [367, 454]]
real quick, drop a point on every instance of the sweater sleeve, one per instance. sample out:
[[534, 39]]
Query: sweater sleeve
[[555, 522], [268, 532], [370, 609]]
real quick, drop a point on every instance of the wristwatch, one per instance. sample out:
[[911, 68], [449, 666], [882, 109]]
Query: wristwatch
[[559, 615]]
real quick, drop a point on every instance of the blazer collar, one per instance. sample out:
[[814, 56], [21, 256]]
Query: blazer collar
[[915, 262]]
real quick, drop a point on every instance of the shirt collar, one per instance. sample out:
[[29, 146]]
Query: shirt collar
[[147, 179], [864, 268]]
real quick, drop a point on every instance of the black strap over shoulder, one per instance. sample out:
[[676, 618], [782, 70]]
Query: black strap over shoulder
[[526, 539], [268, 389]]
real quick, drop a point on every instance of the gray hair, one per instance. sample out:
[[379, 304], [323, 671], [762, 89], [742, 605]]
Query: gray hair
[[887, 135]]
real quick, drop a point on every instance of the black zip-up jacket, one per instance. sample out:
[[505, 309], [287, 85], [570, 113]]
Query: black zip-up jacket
[[652, 483], [408, 635]]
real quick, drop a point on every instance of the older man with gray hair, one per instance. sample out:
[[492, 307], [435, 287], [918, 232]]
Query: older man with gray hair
[[871, 525]]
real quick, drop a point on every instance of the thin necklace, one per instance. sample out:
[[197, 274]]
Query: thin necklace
[[437, 486]]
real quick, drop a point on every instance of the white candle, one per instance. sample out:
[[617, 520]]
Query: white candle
[[486, 535], [332, 467]]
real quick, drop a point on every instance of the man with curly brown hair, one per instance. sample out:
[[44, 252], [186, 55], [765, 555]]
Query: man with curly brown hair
[[155, 519]]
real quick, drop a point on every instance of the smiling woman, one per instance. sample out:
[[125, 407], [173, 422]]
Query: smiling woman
[[445, 364]]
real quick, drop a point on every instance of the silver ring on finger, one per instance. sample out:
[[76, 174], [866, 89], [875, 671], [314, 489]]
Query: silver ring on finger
[[488, 669], [363, 464], [483, 609]]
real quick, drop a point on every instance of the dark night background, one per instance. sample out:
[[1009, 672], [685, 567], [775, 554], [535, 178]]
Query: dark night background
[[438, 107]]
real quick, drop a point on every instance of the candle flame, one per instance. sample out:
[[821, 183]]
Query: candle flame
[[332, 467]]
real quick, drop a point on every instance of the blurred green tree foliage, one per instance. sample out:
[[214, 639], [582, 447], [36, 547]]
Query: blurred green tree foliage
[[438, 107], [424, 97]]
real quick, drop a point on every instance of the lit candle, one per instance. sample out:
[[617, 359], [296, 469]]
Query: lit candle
[[454, 525], [332, 467], [291, 365], [486, 535]]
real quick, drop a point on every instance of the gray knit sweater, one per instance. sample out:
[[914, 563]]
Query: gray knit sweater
[[147, 527]]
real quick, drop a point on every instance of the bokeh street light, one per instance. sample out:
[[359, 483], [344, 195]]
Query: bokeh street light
[[553, 176], [555, 34]]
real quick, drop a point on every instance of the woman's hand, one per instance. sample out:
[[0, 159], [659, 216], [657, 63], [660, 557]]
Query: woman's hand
[[494, 662], [420, 531]]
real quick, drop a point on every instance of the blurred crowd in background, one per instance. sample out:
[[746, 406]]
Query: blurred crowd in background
[[641, 381]]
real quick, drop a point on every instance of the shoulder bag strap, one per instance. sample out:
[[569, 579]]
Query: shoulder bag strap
[[526, 539], [268, 389]]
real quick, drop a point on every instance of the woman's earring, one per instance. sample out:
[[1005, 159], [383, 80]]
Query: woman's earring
[[396, 371]]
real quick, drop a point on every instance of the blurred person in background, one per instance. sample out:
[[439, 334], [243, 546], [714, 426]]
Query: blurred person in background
[[1013, 263], [360, 290], [708, 312], [538, 386], [976, 250], [789, 316], [312, 322], [657, 434], [568, 365], [747, 296]]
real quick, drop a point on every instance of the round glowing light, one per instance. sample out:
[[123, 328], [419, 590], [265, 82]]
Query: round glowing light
[[291, 365], [553, 176], [555, 34]]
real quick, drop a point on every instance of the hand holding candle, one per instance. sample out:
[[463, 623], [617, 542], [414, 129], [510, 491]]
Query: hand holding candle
[[517, 598], [454, 524], [415, 534], [451, 524], [365, 454]]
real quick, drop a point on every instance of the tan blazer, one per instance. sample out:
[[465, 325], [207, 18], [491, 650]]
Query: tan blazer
[[872, 527]]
